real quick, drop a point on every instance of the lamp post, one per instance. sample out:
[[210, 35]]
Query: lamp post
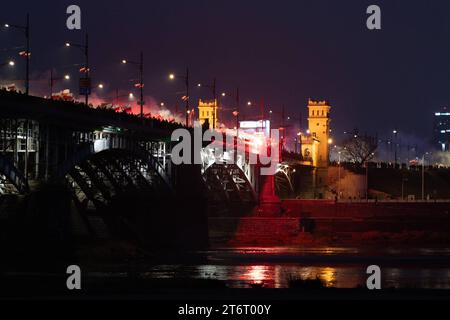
[[85, 48], [186, 81], [26, 30], [237, 110], [395, 132], [116, 98], [53, 80], [140, 85]]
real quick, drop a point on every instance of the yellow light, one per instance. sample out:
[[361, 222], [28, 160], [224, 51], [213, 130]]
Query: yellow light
[[100, 86], [330, 141], [131, 95], [67, 77], [223, 94], [171, 76]]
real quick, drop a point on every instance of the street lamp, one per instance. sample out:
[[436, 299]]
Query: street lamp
[[10, 63], [140, 85], [53, 80], [186, 81], [85, 48], [395, 133], [212, 86], [236, 113], [26, 30]]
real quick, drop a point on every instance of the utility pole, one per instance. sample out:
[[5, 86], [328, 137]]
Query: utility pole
[[26, 30], [300, 129], [141, 84], [237, 111], [283, 127], [51, 83], [86, 54], [187, 97], [215, 103], [27, 35]]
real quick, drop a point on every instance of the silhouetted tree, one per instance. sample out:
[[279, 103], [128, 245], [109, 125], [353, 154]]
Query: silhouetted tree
[[359, 149]]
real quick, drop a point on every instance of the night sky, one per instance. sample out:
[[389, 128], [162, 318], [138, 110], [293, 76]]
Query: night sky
[[282, 51]]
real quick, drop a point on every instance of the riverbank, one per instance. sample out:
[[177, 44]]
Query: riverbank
[[315, 222]]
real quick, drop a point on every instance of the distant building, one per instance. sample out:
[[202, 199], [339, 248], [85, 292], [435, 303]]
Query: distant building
[[441, 130], [207, 110], [315, 147]]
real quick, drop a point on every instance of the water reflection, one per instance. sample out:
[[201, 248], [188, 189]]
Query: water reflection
[[336, 267]]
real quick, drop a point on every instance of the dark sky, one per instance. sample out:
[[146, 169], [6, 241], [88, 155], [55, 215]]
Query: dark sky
[[282, 51]]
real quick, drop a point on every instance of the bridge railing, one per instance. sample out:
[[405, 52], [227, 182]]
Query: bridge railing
[[157, 165]]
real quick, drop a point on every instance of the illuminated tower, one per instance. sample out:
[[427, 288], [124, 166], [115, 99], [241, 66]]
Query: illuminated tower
[[207, 110], [319, 127]]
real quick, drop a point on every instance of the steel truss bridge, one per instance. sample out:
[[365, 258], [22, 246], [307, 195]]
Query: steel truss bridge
[[100, 154]]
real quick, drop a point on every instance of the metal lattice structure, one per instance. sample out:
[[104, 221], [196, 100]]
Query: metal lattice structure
[[227, 182], [104, 175]]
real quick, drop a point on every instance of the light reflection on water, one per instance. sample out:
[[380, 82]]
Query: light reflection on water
[[278, 276], [231, 269]]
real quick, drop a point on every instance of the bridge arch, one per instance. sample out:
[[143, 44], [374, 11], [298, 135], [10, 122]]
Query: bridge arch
[[101, 176], [97, 182], [228, 182]]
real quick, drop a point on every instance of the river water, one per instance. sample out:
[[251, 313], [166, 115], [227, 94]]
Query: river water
[[337, 267]]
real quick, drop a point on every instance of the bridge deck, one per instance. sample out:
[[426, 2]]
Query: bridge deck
[[78, 116]]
